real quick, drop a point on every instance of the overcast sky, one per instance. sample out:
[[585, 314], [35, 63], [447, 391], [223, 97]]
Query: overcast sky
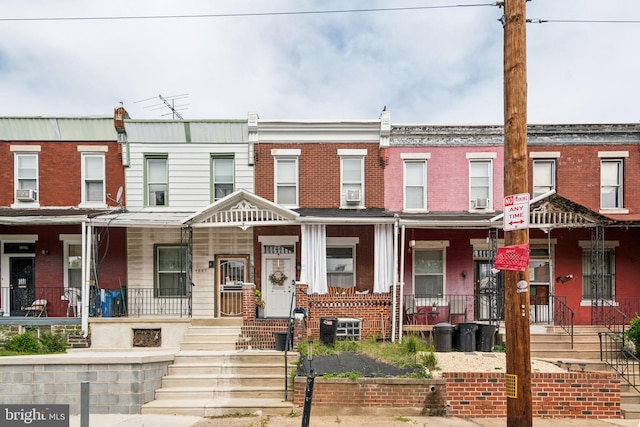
[[431, 65]]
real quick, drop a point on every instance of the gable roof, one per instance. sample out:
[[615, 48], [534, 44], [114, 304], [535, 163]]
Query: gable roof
[[242, 209]]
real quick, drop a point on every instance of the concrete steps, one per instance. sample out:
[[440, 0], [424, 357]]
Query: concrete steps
[[210, 378], [629, 402], [553, 343]]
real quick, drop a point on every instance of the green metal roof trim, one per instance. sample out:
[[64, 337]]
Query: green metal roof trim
[[57, 129]]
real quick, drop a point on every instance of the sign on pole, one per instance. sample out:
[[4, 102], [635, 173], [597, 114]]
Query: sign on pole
[[516, 212]]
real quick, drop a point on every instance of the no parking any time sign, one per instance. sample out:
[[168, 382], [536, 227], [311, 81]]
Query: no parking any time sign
[[516, 212]]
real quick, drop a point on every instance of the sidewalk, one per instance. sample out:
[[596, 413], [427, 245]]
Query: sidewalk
[[100, 420]]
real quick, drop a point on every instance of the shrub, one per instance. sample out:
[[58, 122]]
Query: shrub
[[54, 343], [26, 343], [633, 333]]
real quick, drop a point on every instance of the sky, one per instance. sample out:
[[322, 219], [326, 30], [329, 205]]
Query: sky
[[433, 62]]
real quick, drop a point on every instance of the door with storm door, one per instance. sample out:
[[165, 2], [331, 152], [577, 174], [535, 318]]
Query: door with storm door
[[21, 283], [278, 272]]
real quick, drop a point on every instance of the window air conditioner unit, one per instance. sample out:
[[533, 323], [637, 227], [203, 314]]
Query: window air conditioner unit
[[353, 196], [480, 203], [25, 195]]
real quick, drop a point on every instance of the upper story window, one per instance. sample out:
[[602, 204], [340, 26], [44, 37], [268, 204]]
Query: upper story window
[[26, 177], [93, 172], [544, 176], [415, 181], [352, 177], [223, 176], [157, 180], [480, 180], [286, 176], [611, 183]]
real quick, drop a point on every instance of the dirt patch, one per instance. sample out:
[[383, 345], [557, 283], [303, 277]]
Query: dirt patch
[[350, 362]]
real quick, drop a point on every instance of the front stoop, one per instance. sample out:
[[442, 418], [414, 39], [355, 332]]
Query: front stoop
[[209, 378]]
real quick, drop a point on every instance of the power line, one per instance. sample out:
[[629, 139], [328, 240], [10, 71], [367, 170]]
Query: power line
[[248, 14], [581, 21]]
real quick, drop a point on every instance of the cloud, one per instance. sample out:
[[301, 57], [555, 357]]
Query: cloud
[[429, 66]]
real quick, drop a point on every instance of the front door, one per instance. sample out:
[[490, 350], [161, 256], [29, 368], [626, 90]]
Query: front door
[[278, 273], [21, 283]]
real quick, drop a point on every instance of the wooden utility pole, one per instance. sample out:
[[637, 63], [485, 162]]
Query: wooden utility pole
[[519, 406]]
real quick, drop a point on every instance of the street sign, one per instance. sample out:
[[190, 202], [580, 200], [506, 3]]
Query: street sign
[[516, 212]]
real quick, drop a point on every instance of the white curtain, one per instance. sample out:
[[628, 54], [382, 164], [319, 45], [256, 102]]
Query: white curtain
[[383, 257], [314, 252]]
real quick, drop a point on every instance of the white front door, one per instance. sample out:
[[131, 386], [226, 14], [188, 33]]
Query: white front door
[[278, 273]]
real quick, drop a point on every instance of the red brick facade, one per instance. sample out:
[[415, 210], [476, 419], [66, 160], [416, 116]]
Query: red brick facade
[[472, 394]]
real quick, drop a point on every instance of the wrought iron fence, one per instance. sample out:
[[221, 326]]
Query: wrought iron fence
[[621, 359], [563, 315], [146, 302], [422, 309]]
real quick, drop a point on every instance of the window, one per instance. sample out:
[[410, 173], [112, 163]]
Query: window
[[611, 179], [170, 267], [286, 181], [93, 190], [595, 267], [157, 175], [340, 266], [74, 266], [352, 181], [428, 270], [480, 184], [26, 176], [415, 185], [544, 176], [223, 176]]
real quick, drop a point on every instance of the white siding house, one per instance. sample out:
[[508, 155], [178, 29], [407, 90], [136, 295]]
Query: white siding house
[[173, 170]]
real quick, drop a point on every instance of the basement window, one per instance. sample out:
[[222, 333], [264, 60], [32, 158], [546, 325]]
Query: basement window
[[348, 329]]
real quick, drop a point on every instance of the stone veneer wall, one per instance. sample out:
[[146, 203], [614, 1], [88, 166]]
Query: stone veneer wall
[[118, 383]]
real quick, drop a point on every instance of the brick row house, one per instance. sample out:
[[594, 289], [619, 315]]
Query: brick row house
[[56, 174], [376, 224]]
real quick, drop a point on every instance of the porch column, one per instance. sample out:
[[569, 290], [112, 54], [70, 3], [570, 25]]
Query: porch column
[[303, 255]]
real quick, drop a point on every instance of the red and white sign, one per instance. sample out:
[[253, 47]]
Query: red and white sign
[[516, 212]]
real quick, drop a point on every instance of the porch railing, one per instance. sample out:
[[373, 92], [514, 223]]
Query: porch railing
[[623, 361], [132, 302]]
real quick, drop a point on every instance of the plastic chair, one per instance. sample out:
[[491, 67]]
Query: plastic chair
[[37, 308], [73, 301]]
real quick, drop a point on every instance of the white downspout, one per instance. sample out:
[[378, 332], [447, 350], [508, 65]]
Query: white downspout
[[303, 255], [85, 282], [402, 279], [395, 280]]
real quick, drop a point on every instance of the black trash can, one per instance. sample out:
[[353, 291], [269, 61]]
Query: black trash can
[[443, 333], [281, 341], [485, 337], [328, 330], [467, 336]]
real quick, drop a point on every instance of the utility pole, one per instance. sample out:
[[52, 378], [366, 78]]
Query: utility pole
[[519, 405]]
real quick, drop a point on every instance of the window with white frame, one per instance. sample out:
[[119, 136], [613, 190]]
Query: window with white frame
[[223, 176], [544, 176], [170, 264], [341, 266], [415, 184], [26, 177], [611, 180], [93, 173], [428, 271], [157, 180], [480, 181], [352, 180], [286, 185], [598, 273]]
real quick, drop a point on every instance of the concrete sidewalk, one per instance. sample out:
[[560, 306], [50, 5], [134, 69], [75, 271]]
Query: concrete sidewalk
[[101, 420]]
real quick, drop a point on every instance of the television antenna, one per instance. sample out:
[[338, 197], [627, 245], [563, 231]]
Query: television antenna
[[168, 102]]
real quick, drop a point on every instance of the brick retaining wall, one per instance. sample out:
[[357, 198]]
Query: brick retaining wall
[[472, 394]]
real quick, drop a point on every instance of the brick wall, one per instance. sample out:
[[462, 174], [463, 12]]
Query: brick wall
[[319, 173], [472, 394], [554, 395]]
